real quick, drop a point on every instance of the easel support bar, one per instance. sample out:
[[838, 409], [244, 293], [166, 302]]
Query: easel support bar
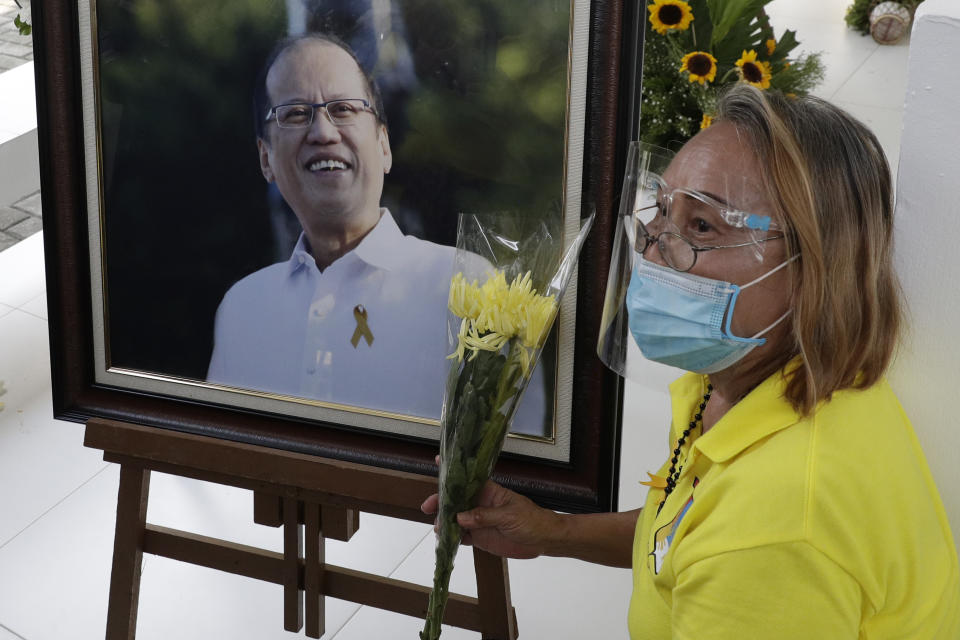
[[338, 582]]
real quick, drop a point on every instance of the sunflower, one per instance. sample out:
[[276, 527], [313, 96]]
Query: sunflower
[[771, 46], [670, 14], [706, 121], [701, 65], [753, 71]]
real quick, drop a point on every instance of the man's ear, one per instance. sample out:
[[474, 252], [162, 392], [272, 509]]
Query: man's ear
[[264, 149], [385, 149]]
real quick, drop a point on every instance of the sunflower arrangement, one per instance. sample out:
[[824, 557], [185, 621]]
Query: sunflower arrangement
[[694, 48]]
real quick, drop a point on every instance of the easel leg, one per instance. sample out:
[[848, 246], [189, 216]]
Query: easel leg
[[313, 574], [497, 617], [292, 552], [127, 552]]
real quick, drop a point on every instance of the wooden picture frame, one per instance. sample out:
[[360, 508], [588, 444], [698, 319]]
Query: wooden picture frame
[[585, 479]]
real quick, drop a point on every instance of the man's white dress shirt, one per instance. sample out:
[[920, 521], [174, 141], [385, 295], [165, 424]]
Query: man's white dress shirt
[[289, 328]]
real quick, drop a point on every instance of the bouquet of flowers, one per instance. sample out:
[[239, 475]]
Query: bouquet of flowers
[[694, 48], [497, 333]]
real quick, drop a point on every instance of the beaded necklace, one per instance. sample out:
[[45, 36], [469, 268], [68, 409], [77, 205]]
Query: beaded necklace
[[674, 474]]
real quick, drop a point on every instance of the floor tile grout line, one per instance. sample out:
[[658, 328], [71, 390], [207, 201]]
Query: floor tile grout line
[[21, 310], [389, 575], [11, 631], [31, 313], [55, 505], [852, 73], [36, 297]]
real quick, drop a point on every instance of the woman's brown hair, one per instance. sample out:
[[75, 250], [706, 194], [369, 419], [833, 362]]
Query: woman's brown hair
[[830, 181]]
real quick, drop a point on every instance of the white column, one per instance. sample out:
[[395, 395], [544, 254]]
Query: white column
[[927, 371]]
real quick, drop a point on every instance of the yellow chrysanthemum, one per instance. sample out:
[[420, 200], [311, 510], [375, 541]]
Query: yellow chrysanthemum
[[496, 312], [491, 341], [464, 299], [771, 46], [538, 317], [706, 121], [461, 342], [753, 71], [666, 15], [701, 66]]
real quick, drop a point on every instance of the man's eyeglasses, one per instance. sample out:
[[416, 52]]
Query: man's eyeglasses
[[300, 114]]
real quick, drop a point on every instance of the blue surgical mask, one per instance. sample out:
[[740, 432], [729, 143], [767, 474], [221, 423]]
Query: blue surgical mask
[[677, 318]]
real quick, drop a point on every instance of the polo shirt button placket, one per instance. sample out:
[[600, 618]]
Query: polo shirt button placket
[[693, 467]]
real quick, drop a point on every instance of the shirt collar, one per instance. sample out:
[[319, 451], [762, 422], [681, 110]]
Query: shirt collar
[[763, 412], [380, 248]]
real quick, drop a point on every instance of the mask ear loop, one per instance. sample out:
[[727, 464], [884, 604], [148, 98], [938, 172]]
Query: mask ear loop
[[737, 291], [769, 273], [775, 323]]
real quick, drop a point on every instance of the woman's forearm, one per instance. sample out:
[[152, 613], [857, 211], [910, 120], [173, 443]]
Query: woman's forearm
[[602, 538]]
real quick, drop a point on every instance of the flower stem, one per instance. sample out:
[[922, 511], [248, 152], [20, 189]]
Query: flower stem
[[480, 399]]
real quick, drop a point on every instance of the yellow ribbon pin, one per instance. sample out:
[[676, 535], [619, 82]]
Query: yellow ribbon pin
[[655, 482], [363, 329]]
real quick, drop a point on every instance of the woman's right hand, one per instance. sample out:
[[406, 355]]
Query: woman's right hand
[[505, 523]]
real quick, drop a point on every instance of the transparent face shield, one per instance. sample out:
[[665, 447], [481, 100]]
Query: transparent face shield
[[677, 210]]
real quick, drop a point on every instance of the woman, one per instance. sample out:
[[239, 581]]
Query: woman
[[795, 502]]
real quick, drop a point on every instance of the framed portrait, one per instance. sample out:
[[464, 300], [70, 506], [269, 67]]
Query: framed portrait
[[195, 284]]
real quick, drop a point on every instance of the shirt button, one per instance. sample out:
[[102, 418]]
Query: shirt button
[[301, 259]]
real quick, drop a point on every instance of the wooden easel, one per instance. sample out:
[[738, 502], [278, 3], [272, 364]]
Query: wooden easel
[[311, 498]]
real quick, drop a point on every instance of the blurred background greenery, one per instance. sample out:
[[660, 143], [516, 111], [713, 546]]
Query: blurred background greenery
[[475, 93]]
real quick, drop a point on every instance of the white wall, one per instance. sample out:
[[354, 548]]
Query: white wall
[[925, 375]]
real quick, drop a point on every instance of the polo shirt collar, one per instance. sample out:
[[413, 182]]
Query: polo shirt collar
[[381, 248], [763, 412]]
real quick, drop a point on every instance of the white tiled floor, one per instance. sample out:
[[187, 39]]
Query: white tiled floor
[[57, 499]]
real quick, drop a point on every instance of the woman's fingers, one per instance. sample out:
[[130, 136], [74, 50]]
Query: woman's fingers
[[430, 505], [482, 517]]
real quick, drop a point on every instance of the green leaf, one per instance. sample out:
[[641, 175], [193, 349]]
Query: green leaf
[[23, 27], [701, 27], [744, 35], [726, 14], [787, 42]]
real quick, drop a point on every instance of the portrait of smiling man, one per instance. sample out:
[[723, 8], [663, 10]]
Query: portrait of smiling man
[[357, 315], [330, 169]]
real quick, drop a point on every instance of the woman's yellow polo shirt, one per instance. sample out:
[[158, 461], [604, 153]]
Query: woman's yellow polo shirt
[[782, 527]]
